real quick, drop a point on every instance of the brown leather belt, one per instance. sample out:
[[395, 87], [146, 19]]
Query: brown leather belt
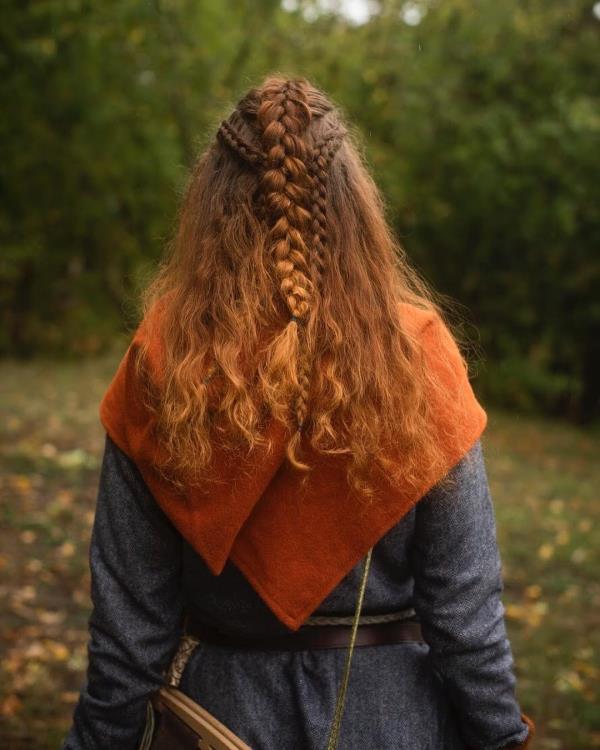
[[313, 636]]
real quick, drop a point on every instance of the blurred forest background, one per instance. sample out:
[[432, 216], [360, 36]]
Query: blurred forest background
[[480, 122]]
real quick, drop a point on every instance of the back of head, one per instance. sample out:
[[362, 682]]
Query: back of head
[[282, 296]]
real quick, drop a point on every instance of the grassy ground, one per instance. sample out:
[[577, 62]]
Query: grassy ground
[[545, 479]]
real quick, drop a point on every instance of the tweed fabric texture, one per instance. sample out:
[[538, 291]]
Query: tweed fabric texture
[[457, 691]]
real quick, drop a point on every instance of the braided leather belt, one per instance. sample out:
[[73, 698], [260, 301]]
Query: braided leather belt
[[315, 636]]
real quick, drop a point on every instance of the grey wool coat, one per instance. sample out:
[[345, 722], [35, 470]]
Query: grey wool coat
[[453, 692]]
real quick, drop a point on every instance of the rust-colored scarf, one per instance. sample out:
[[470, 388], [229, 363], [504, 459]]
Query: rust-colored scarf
[[293, 548]]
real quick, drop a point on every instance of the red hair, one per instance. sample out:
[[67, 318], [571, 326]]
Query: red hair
[[281, 295]]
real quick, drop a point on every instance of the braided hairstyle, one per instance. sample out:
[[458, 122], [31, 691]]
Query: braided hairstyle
[[323, 153], [282, 234], [291, 200]]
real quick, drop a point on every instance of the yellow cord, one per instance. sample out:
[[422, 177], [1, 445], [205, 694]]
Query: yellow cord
[[339, 708]]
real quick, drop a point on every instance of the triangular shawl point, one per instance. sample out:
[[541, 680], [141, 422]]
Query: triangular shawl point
[[292, 550]]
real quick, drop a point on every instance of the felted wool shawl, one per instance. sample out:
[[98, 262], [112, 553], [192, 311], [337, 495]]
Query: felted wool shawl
[[293, 546]]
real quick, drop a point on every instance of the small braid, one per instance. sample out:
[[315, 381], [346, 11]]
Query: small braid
[[283, 116], [229, 135], [323, 154]]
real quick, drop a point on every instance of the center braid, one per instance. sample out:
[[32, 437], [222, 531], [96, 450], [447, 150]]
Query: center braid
[[283, 116]]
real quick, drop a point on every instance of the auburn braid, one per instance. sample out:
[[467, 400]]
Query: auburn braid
[[323, 154], [283, 116], [229, 135]]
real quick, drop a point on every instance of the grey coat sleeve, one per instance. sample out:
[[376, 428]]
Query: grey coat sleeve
[[135, 559], [458, 586]]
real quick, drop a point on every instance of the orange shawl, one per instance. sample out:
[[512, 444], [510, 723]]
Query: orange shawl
[[292, 548]]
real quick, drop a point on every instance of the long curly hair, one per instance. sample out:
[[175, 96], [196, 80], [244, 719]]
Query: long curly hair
[[280, 295]]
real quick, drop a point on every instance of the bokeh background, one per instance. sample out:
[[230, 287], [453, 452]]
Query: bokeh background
[[480, 122]]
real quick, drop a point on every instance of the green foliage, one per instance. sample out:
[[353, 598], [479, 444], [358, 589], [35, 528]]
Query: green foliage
[[480, 122]]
